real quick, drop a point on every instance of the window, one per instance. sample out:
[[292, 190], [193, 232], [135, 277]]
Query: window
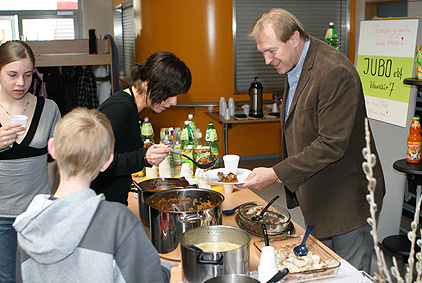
[[124, 35], [315, 16], [40, 20]]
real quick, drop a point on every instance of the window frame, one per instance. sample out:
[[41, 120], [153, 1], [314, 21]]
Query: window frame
[[76, 15]]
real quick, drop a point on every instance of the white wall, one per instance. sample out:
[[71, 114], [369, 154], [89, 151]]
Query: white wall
[[391, 145], [98, 15]]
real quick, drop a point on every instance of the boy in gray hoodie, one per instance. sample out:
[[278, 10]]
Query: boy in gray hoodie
[[76, 235]]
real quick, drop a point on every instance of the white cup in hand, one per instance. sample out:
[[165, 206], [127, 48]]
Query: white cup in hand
[[231, 162], [18, 119]]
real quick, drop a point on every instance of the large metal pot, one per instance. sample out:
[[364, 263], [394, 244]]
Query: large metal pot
[[151, 186], [199, 266], [167, 225], [232, 278]]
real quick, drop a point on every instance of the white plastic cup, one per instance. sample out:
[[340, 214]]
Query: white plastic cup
[[210, 109], [267, 265], [223, 108], [151, 172], [231, 106], [228, 188], [186, 171], [227, 115], [19, 119], [231, 162], [275, 108], [246, 109]]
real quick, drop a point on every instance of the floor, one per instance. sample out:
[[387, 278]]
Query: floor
[[269, 160]]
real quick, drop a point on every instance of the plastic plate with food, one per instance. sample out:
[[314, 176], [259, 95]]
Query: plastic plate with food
[[319, 263], [214, 176]]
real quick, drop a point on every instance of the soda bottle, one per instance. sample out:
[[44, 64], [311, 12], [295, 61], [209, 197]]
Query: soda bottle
[[211, 140], [167, 141], [186, 140], [177, 147], [192, 123], [147, 132], [331, 36], [414, 142]]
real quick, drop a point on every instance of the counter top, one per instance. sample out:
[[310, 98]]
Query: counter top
[[238, 196]]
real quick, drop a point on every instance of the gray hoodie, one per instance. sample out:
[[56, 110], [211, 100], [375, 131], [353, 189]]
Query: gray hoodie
[[83, 238]]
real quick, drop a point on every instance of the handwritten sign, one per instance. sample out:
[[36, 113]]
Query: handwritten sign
[[386, 54]]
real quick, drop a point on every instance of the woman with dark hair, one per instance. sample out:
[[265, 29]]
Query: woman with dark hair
[[156, 86], [25, 169]]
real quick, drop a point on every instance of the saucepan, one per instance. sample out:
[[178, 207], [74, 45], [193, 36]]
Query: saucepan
[[149, 187]]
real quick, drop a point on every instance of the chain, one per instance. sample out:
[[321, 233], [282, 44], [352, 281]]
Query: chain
[[26, 106]]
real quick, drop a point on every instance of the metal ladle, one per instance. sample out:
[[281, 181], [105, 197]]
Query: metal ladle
[[302, 250], [213, 159]]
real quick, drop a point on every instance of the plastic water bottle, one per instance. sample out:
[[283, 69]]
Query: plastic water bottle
[[167, 141], [211, 140], [192, 123], [198, 143], [177, 147], [147, 132], [331, 36]]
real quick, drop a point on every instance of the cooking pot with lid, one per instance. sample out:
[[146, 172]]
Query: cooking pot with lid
[[198, 266], [198, 207], [151, 186]]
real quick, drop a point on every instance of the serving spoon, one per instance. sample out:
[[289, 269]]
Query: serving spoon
[[302, 250], [213, 159], [229, 212], [259, 216]]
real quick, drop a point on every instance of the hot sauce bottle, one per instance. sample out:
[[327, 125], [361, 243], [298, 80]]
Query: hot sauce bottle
[[414, 142]]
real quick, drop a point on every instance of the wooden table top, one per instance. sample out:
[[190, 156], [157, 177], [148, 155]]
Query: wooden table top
[[238, 196]]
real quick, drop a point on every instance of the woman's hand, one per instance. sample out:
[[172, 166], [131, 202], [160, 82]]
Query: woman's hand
[[259, 178], [155, 155], [9, 134]]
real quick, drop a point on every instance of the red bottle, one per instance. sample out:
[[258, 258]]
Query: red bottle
[[414, 142]]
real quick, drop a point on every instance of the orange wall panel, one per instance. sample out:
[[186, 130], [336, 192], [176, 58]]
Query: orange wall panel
[[200, 33]]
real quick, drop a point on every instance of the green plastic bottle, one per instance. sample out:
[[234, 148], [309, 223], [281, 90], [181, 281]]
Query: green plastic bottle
[[331, 36], [211, 140]]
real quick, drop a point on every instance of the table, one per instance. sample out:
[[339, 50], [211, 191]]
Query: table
[[228, 124], [238, 196]]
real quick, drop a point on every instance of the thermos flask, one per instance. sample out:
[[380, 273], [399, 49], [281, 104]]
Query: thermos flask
[[255, 93]]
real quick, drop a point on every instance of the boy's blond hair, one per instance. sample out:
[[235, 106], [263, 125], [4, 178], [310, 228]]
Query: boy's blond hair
[[83, 142]]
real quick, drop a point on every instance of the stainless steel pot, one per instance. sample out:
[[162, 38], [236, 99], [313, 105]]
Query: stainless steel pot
[[232, 278], [167, 226], [151, 186], [199, 266]]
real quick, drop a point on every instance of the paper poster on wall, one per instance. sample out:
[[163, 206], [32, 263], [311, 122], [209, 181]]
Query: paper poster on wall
[[386, 54]]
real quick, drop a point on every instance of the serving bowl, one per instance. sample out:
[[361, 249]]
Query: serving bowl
[[276, 222]]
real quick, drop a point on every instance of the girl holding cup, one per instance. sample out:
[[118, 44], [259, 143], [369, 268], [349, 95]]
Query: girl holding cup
[[24, 168]]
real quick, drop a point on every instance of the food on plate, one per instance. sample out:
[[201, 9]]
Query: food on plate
[[167, 204], [210, 247], [286, 258], [227, 178]]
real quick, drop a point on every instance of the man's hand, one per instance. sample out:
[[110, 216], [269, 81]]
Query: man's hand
[[259, 178]]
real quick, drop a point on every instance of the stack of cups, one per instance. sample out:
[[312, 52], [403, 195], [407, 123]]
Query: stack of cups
[[186, 172], [223, 106], [164, 169], [231, 162], [231, 106], [268, 264], [227, 115]]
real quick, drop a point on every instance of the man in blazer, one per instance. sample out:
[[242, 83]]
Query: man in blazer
[[323, 126]]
